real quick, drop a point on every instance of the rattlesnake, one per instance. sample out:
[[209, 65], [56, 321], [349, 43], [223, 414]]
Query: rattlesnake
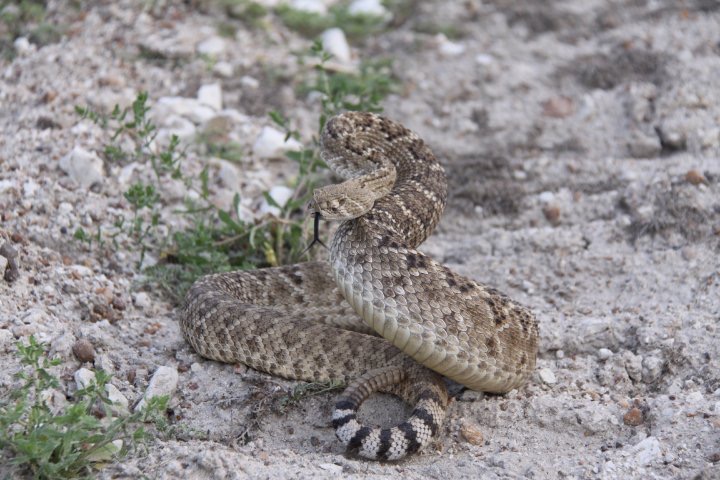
[[301, 321]]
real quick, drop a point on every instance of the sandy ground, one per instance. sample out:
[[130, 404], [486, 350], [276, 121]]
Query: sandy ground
[[582, 145]]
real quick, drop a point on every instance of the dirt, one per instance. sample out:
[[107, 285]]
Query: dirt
[[582, 145]]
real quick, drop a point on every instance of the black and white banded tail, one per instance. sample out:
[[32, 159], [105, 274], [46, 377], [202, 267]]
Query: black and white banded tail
[[417, 386]]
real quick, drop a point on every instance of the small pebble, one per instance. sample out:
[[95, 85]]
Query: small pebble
[[332, 468], [367, 7], [552, 214], [335, 43], [141, 300], [559, 354], [12, 272], [547, 376], [163, 382], [116, 396], [211, 95], [309, 6], [447, 47], [281, 194], [83, 378], [84, 350], [3, 265], [646, 451], [604, 353], [212, 47], [224, 69], [471, 433], [558, 107], [633, 417], [695, 177], [271, 143]]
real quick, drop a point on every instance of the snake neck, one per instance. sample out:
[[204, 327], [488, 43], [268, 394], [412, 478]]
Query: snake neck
[[363, 147]]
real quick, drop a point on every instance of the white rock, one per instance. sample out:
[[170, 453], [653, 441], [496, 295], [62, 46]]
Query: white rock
[[368, 7], [190, 108], [83, 167], [116, 396], [163, 382], [213, 46], [179, 126], [223, 69], [141, 300], [335, 43], [3, 265], [484, 59], [271, 143], [250, 82], [6, 185], [83, 378], [332, 468], [229, 174], [211, 95], [547, 376], [448, 48], [604, 353], [546, 197], [23, 46], [29, 188], [646, 451], [310, 6], [281, 194], [559, 354]]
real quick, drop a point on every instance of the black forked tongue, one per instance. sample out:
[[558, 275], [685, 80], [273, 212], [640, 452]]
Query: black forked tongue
[[316, 234]]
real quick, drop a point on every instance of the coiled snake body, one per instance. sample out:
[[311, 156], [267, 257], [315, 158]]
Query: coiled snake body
[[381, 315]]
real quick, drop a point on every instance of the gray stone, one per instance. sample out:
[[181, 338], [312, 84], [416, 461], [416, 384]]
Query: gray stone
[[163, 382], [645, 451], [651, 368], [83, 378], [633, 365], [116, 396]]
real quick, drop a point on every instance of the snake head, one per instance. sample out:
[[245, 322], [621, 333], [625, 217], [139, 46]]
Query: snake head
[[341, 202]]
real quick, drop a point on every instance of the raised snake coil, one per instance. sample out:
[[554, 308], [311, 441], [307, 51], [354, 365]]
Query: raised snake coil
[[320, 321]]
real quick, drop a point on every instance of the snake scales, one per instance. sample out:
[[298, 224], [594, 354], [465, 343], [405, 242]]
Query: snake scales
[[380, 315]]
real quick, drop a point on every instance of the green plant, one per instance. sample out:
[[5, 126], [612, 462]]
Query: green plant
[[75, 440]]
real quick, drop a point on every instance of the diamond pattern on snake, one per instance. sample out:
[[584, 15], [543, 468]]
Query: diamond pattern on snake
[[379, 315]]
